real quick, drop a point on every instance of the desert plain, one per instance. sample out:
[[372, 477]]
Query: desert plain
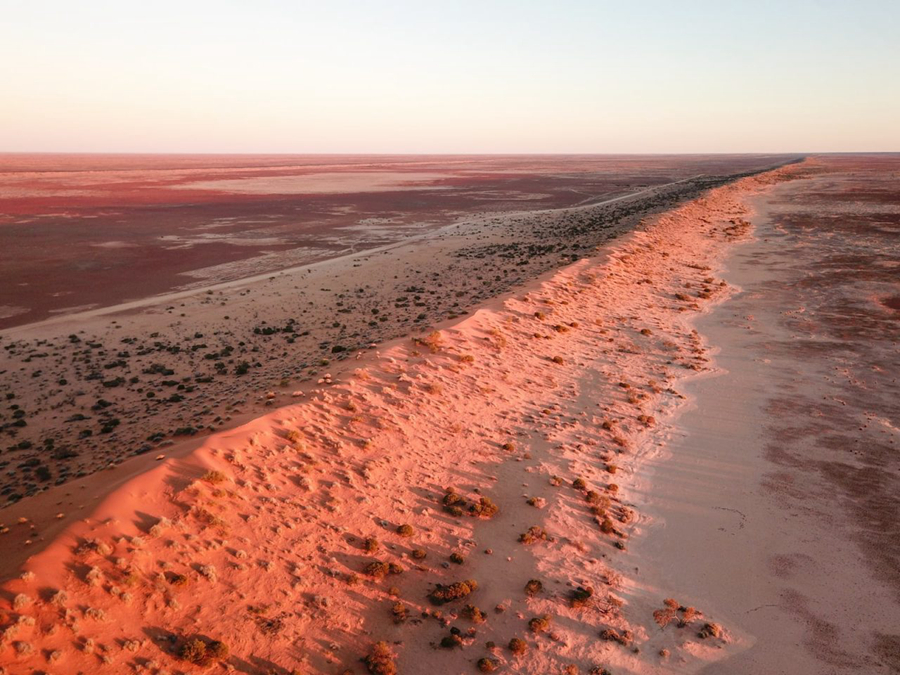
[[589, 414]]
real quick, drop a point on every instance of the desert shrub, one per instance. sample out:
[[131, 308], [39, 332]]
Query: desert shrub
[[179, 580], [533, 535], [688, 615], [454, 503], [451, 641], [406, 530], [518, 646], [533, 587], [607, 526], [487, 665], [473, 614], [581, 596], [418, 553], [433, 341], [217, 650], [399, 612], [371, 545], [380, 660], [455, 591], [612, 635], [293, 436], [558, 360], [380, 569], [539, 624], [202, 653], [484, 508], [579, 484], [457, 558], [710, 630], [509, 446]]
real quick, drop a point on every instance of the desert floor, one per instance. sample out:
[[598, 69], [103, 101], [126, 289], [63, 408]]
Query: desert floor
[[674, 455]]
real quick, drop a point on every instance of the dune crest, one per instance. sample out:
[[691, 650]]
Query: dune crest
[[501, 450]]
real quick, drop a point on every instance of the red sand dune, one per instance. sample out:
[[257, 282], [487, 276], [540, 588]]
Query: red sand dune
[[545, 403]]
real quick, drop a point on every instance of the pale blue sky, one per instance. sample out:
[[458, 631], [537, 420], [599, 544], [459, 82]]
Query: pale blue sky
[[479, 76]]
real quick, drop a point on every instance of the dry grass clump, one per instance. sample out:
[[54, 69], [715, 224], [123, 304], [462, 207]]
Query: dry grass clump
[[433, 341], [533, 587], [380, 660], [579, 484], [214, 477], [418, 553], [371, 545], [518, 646], [455, 591], [533, 535], [406, 530]]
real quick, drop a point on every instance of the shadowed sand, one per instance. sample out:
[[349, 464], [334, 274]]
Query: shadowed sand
[[547, 404]]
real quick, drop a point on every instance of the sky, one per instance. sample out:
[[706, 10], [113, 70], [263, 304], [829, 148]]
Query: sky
[[457, 76]]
